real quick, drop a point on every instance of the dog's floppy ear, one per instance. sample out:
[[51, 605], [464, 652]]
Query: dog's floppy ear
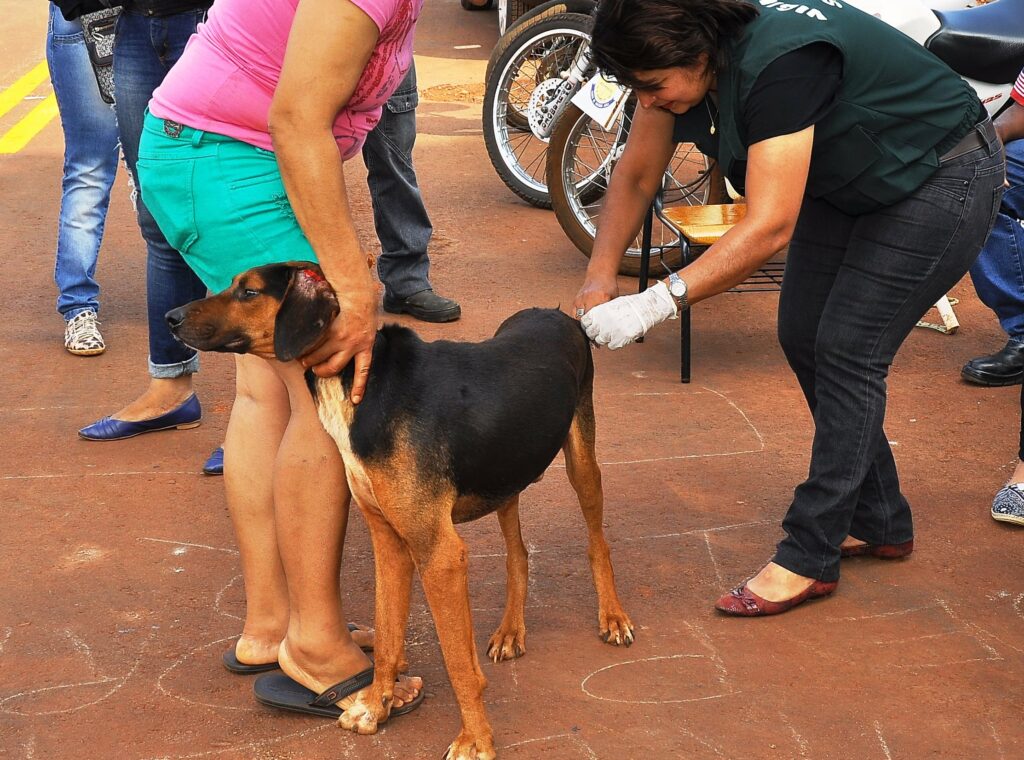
[[308, 306]]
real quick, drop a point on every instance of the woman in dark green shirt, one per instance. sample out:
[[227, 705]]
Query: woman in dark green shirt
[[864, 153]]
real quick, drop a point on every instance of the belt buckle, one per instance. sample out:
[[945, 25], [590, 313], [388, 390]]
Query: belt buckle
[[172, 128]]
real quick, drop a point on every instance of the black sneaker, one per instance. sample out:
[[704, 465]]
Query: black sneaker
[[1004, 367], [426, 305]]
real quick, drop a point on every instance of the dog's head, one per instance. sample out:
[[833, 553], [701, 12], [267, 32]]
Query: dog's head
[[276, 311]]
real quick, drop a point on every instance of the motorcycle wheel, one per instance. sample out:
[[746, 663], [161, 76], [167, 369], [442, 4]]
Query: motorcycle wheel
[[534, 51], [581, 157]]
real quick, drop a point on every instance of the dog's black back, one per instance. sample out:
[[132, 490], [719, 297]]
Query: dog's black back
[[486, 417]]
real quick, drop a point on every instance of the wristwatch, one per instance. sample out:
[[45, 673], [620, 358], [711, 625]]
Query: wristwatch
[[677, 289]]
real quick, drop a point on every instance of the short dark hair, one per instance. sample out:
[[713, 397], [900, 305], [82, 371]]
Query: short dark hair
[[641, 35]]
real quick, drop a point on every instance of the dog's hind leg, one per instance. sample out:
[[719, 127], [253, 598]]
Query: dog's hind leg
[[509, 641], [394, 569], [585, 476], [443, 566]]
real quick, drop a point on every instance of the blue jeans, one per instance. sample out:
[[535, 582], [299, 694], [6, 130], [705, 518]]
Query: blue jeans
[[145, 48], [998, 274], [399, 216], [90, 164], [853, 290]]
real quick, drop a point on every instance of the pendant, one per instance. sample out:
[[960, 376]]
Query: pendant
[[712, 129]]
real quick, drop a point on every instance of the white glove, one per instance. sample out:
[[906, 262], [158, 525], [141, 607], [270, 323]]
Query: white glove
[[622, 320]]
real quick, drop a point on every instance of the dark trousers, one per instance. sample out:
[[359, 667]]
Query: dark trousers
[[854, 288], [145, 48], [399, 215]]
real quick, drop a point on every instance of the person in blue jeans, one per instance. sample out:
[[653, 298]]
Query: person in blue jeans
[[90, 164], [998, 274], [999, 279], [150, 37], [400, 218]]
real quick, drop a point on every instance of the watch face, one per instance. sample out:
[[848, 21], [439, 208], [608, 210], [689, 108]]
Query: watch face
[[677, 288]]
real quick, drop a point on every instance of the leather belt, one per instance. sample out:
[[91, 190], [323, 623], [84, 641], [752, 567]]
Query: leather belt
[[978, 137]]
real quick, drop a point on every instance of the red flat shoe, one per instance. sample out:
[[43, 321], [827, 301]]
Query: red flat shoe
[[743, 602], [881, 551]]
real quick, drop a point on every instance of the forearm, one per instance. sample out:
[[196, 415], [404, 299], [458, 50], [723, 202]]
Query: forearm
[[314, 179], [1010, 124], [730, 261], [622, 214]]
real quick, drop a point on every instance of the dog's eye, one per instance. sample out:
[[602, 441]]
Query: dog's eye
[[249, 293]]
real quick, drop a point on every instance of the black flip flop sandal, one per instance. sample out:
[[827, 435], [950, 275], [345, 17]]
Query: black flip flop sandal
[[280, 691], [232, 663]]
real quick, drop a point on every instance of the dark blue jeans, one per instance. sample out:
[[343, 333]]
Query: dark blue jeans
[[399, 216], [853, 290], [998, 274], [145, 48]]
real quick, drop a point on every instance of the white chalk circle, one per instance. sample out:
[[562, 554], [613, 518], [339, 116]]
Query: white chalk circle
[[662, 680]]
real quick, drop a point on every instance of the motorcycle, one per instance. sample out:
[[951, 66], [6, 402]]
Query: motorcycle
[[984, 44]]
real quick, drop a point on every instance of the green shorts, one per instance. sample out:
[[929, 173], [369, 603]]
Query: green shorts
[[219, 201]]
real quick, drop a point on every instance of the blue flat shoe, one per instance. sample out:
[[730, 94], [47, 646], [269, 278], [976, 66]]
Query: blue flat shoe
[[188, 415], [215, 464]]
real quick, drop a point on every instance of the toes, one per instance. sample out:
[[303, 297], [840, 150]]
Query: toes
[[506, 647], [358, 719], [618, 632]]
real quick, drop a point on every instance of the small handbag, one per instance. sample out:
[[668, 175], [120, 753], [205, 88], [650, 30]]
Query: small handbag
[[99, 30]]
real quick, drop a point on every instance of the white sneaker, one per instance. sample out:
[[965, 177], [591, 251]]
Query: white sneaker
[[82, 335]]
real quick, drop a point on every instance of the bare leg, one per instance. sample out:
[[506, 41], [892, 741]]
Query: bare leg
[[312, 499], [509, 641], [258, 420]]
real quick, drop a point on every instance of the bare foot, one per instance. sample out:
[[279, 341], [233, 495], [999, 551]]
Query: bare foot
[[250, 650], [162, 395], [777, 584], [363, 637], [348, 661], [851, 541]]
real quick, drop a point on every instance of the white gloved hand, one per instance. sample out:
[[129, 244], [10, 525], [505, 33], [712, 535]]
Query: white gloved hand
[[622, 320]]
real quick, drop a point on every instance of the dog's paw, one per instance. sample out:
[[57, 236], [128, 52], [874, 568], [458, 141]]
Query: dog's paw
[[362, 716], [507, 644], [617, 629], [465, 747]]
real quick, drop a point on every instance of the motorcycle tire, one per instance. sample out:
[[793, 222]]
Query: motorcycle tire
[[536, 15], [691, 180], [510, 11], [517, 155]]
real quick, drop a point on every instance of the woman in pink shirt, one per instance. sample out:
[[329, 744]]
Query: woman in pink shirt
[[241, 164]]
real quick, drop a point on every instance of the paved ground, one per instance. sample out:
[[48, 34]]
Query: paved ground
[[122, 580]]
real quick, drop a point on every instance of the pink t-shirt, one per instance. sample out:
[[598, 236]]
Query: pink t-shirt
[[225, 79]]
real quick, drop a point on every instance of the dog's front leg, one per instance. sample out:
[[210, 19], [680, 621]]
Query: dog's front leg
[[443, 567], [394, 568], [509, 641]]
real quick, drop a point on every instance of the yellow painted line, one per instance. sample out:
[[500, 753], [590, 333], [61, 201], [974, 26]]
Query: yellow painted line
[[18, 136], [17, 92]]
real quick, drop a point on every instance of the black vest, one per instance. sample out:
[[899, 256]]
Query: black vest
[[897, 110]]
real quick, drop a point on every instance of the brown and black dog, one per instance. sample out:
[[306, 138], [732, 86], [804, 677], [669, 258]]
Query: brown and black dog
[[446, 433]]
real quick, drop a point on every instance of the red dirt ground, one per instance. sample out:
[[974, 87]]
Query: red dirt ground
[[122, 582]]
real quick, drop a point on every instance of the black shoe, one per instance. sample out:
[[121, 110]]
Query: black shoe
[[1003, 368], [426, 305]]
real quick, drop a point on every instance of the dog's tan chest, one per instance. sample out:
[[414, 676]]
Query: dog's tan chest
[[336, 413]]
